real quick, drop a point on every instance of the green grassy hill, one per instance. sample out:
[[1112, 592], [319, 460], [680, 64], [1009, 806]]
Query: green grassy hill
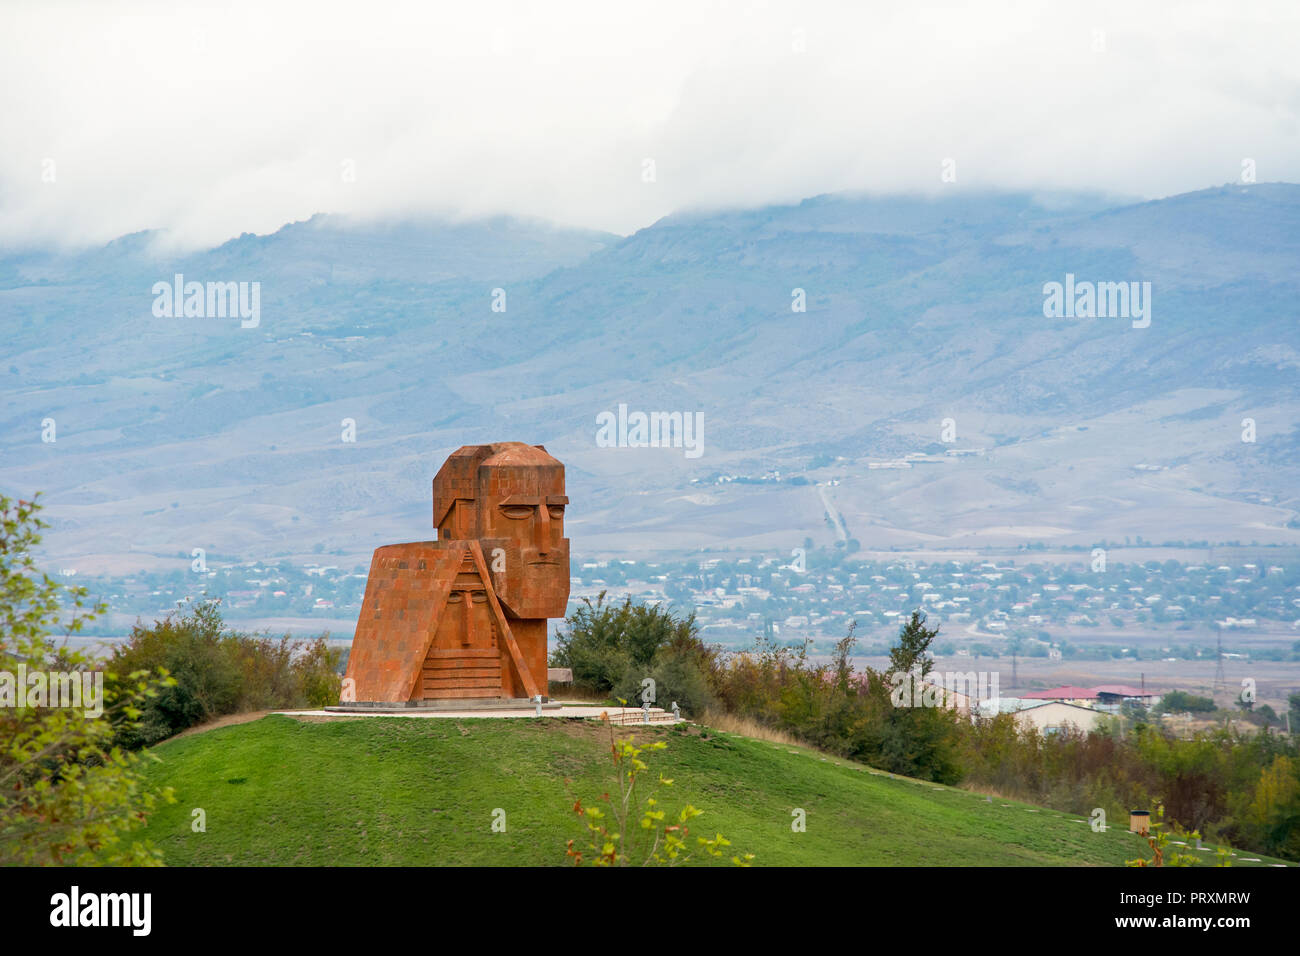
[[400, 791]]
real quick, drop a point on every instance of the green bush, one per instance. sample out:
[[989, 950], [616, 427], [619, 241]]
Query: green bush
[[677, 678], [613, 647], [217, 672], [847, 713], [1179, 701]]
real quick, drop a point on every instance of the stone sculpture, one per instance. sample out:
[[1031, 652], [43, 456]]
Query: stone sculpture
[[465, 616]]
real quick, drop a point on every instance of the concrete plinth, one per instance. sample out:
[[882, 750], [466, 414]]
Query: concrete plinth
[[458, 705]]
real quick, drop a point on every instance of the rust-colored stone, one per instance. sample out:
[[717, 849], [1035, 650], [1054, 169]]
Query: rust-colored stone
[[465, 616]]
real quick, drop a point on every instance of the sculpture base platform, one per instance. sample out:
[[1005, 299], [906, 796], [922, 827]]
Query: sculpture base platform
[[496, 709], [455, 704]]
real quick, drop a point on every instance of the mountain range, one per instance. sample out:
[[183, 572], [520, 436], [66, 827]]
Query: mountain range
[[874, 368]]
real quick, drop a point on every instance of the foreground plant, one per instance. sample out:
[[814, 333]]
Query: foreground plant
[[1158, 840], [68, 795], [625, 828]]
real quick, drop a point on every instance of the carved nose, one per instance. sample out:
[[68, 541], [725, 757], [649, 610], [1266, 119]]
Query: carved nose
[[544, 542]]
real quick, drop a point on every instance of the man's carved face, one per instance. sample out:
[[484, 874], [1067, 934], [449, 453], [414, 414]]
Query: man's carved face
[[514, 504], [525, 547], [533, 522]]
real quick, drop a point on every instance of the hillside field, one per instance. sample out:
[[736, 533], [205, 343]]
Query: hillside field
[[421, 792]]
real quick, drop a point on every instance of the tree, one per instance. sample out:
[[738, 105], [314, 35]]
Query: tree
[[1275, 810], [68, 795], [905, 735], [913, 646]]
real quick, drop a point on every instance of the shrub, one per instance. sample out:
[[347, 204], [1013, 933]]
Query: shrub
[[613, 647], [1179, 701], [677, 679], [218, 672], [67, 794]]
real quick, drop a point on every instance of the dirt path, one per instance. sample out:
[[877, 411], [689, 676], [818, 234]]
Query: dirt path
[[228, 721]]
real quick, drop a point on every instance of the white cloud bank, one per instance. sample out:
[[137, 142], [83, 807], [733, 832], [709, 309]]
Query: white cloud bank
[[213, 119]]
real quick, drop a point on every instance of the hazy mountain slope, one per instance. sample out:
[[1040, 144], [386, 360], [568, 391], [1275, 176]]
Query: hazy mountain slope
[[181, 433]]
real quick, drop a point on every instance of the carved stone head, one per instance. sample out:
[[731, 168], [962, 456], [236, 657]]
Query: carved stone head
[[510, 497]]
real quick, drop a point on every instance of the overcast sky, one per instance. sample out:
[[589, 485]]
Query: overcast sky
[[240, 117]]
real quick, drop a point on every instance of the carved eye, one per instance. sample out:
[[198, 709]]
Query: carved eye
[[518, 511], [455, 597], [478, 597], [557, 511]]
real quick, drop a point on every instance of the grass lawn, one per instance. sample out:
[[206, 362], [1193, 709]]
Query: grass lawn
[[402, 791]]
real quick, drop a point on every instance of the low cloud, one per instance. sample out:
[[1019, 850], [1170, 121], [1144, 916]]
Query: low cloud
[[211, 121]]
